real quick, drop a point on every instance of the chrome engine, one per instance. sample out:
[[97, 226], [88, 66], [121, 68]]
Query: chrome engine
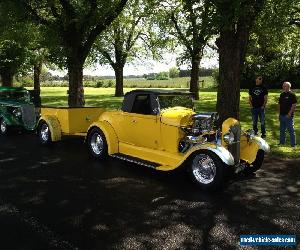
[[203, 129]]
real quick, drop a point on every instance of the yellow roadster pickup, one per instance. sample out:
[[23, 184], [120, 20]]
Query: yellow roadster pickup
[[159, 129]]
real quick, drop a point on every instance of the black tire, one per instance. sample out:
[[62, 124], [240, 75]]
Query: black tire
[[3, 127], [256, 165], [44, 133], [210, 175], [97, 144]]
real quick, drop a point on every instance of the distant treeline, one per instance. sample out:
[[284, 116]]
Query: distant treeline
[[47, 76], [203, 72]]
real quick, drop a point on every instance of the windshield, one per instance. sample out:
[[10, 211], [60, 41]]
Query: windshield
[[170, 101], [14, 95]]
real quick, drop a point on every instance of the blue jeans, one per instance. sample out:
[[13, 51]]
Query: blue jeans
[[287, 123], [258, 112]]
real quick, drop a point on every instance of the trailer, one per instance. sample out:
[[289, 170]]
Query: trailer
[[56, 122]]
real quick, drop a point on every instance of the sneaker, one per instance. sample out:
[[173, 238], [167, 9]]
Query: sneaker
[[263, 136]]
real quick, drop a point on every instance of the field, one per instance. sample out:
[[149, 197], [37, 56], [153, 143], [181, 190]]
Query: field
[[179, 82], [57, 96]]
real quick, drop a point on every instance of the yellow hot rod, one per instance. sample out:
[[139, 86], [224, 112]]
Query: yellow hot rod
[[160, 129]]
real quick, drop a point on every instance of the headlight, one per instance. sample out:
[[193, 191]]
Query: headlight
[[17, 113], [250, 134], [229, 138]]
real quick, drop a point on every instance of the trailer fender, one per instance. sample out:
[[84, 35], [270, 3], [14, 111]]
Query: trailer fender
[[54, 126], [110, 135]]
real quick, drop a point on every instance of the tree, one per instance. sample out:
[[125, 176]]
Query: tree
[[14, 39], [12, 56], [119, 43], [235, 20], [274, 49], [173, 72], [72, 27], [190, 21]]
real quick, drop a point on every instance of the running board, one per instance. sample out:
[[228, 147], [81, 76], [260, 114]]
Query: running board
[[135, 160]]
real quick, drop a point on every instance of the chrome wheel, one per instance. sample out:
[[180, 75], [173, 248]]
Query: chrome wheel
[[97, 143], [44, 132], [204, 169], [3, 127]]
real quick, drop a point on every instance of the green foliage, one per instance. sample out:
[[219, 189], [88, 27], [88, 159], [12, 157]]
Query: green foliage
[[173, 72], [121, 42], [12, 57], [162, 76], [186, 23], [274, 48]]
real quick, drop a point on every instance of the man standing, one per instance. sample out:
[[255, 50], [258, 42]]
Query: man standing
[[258, 97], [287, 106]]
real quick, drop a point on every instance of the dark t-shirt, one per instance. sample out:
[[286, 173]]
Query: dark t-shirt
[[286, 100], [258, 95]]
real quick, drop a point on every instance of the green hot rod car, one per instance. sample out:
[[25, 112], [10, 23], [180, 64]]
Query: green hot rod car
[[16, 109]]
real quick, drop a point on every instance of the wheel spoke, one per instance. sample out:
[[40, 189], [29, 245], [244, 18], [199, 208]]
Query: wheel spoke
[[204, 169], [97, 143]]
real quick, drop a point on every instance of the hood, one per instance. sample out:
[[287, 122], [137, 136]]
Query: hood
[[177, 116], [14, 103]]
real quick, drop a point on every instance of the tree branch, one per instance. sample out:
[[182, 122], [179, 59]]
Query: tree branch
[[182, 37], [35, 14], [107, 57], [102, 26], [130, 39]]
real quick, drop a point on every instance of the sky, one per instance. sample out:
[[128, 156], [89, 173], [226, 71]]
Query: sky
[[148, 66]]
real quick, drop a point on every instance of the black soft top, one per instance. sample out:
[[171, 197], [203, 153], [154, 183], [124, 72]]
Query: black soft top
[[129, 97]]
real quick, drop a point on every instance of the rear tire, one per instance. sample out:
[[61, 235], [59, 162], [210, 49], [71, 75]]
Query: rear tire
[[256, 165], [44, 133], [207, 170], [97, 144], [3, 127]]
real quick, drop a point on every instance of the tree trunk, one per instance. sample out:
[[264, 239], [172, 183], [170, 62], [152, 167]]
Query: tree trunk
[[119, 80], [7, 79], [37, 83], [232, 45], [194, 83], [76, 92], [228, 99]]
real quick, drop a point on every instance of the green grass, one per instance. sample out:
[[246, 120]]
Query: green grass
[[57, 96]]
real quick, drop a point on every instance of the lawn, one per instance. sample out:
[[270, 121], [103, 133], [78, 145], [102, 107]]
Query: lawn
[[57, 96]]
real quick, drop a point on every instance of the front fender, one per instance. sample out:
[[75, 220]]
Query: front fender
[[249, 148], [53, 125], [225, 156], [110, 135], [262, 144]]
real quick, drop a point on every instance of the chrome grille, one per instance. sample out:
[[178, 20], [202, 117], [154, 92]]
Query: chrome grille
[[28, 116], [234, 148]]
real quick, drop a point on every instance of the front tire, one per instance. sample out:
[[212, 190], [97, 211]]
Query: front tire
[[3, 127], [44, 133], [207, 170], [97, 144], [256, 165]]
